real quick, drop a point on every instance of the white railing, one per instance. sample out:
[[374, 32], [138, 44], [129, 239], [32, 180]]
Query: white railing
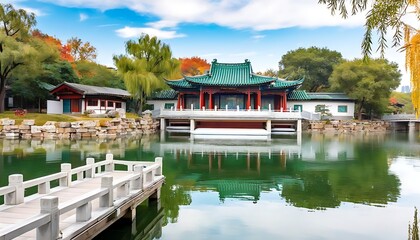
[[238, 113], [141, 176], [396, 117]]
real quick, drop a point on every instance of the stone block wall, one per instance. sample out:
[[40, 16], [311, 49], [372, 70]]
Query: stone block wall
[[80, 129], [348, 126]]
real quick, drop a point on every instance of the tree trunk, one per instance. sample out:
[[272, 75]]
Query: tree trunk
[[39, 105], [2, 96], [359, 111]]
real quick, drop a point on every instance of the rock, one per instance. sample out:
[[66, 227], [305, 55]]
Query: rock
[[28, 122], [7, 121]]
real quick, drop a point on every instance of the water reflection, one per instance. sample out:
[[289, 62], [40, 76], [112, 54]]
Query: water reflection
[[319, 173]]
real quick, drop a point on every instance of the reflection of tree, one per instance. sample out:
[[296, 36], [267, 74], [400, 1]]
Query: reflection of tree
[[413, 230], [366, 180], [172, 196], [315, 193]]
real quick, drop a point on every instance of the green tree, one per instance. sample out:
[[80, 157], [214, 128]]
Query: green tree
[[81, 51], [91, 73], [383, 16], [147, 62], [315, 64], [369, 83], [271, 73], [33, 86], [16, 48]]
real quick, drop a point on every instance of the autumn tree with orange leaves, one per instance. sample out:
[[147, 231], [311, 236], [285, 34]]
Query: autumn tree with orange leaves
[[52, 41], [194, 66]]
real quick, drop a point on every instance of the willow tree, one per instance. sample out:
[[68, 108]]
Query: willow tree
[[15, 50], [383, 16], [146, 63]]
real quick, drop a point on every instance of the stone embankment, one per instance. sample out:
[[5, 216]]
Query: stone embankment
[[348, 126], [112, 128]]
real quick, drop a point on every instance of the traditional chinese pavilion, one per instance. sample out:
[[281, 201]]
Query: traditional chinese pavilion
[[232, 86]]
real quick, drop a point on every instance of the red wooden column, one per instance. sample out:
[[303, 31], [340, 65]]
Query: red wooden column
[[284, 101], [210, 99], [201, 99], [182, 101], [258, 98], [248, 102], [178, 103]]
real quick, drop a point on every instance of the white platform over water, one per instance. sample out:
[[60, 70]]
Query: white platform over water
[[230, 133]]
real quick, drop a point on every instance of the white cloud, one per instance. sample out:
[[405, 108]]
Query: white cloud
[[130, 32], [16, 4], [238, 14], [35, 11], [83, 17]]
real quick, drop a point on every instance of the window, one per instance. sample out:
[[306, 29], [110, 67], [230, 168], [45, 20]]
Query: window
[[169, 105], [117, 105], [298, 107], [92, 102], [110, 104], [342, 108], [102, 103]]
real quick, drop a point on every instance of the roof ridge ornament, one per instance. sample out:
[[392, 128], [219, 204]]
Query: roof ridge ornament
[[214, 60]]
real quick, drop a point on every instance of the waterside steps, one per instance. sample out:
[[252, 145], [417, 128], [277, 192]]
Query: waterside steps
[[230, 133], [86, 201], [281, 128], [179, 126]]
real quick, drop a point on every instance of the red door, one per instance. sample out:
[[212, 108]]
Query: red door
[[75, 105]]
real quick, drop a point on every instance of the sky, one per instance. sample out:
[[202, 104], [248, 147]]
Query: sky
[[227, 30]]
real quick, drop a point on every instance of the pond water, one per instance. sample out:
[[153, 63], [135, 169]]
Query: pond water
[[322, 187]]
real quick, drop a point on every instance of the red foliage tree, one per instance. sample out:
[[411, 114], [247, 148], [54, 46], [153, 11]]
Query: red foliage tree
[[194, 66], [52, 41]]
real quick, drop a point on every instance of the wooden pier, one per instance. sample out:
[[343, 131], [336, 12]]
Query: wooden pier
[[86, 201]]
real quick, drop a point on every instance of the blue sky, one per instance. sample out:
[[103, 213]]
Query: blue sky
[[229, 30]]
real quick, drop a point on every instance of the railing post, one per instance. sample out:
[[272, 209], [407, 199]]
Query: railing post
[[44, 188], [159, 160], [84, 212], [49, 205], [66, 181], [137, 184], [16, 197], [123, 190], [90, 173], [109, 167], [215, 107], [269, 107], [107, 200]]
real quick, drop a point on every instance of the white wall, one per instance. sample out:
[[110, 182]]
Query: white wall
[[100, 110], [54, 107], [160, 104], [331, 105]]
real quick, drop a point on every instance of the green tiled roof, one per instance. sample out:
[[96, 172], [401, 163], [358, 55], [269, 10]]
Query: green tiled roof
[[328, 96], [298, 95], [232, 75], [164, 94], [281, 83], [181, 83]]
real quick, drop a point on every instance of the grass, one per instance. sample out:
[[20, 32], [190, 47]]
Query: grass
[[42, 118]]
